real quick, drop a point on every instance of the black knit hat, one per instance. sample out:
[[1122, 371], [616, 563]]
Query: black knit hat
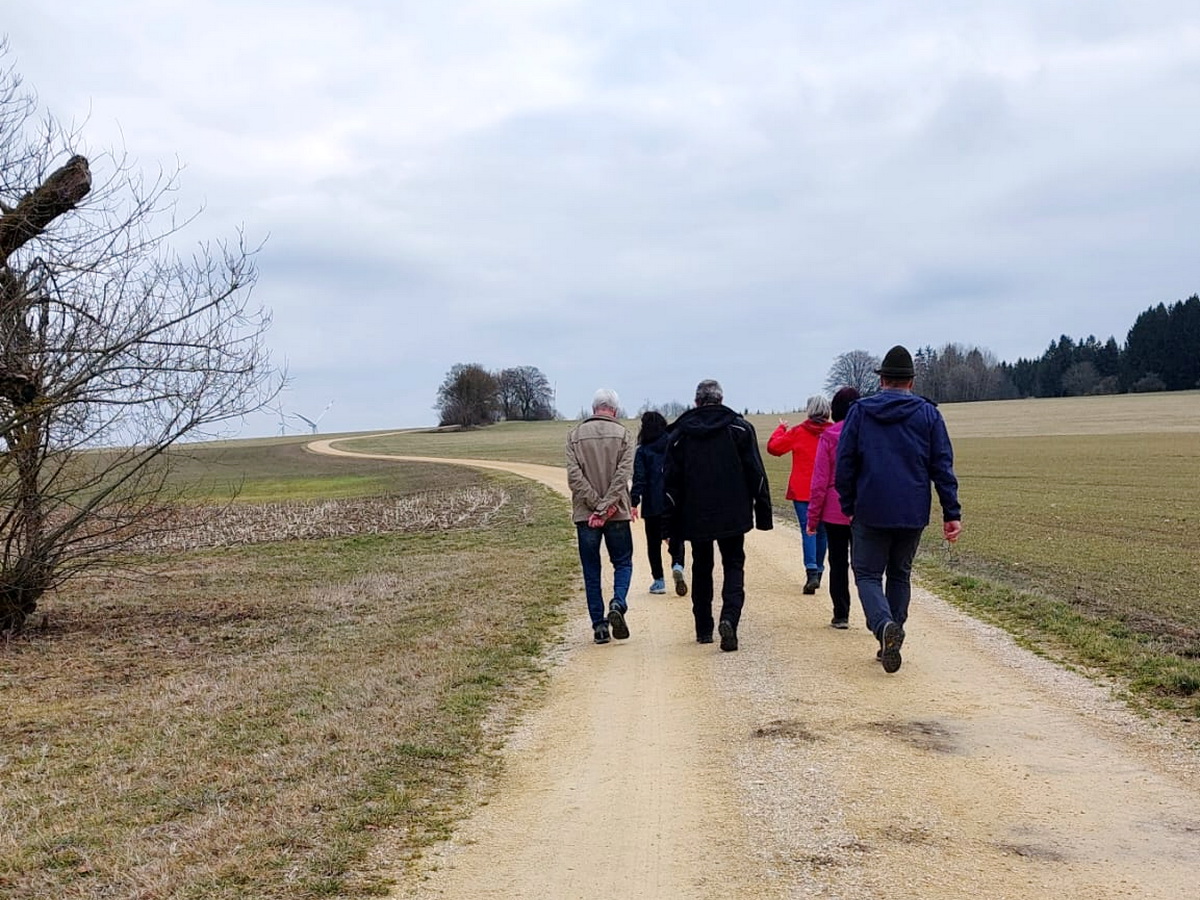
[[898, 364], [840, 404]]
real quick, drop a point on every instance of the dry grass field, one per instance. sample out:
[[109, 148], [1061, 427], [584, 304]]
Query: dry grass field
[[248, 721]]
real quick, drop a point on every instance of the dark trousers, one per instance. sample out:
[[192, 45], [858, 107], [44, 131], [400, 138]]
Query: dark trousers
[[733, 586], [839, 568], [879, 552], [655, 527]]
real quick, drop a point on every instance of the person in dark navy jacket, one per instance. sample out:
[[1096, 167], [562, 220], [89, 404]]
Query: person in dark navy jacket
[[649, 490], [894, 444]]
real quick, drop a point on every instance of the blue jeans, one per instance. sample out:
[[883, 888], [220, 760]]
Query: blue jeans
[[875, 552], [618, 538], [815, 545]]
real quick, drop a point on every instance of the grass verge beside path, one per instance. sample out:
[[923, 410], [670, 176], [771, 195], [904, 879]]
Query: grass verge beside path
[[252, 724], [1087, 548]]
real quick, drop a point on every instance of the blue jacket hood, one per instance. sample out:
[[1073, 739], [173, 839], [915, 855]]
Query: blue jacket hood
[[892, 406]]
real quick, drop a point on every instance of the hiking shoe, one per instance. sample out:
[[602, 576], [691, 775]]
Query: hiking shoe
[[600, 633], [680, 584], [814, 581], [705, 638], [658, 586], [616, 622], [840, 623], [890, 640], [728, 636]]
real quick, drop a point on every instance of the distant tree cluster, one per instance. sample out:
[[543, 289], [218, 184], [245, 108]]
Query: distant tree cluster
[[1161, 353], [471, 396], [958, 374], [670, 410], [1069, 368]]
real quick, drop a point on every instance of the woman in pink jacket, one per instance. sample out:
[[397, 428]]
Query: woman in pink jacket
[[825, 509]]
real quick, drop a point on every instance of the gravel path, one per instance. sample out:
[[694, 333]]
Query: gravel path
[[659, 768]]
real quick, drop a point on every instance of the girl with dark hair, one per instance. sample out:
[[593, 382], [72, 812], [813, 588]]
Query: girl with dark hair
[[649, 490]]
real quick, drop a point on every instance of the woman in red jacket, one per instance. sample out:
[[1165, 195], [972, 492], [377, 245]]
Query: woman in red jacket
[[801, 442]]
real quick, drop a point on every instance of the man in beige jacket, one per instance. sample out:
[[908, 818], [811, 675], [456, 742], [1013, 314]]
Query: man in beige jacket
[[599, 465]]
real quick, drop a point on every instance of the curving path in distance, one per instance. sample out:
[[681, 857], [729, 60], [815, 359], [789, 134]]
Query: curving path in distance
[[660, 768]]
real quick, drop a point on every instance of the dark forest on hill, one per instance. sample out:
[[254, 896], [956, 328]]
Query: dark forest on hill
[[1161, 353]]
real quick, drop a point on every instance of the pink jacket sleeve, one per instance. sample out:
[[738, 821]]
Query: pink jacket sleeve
[[822, 480]]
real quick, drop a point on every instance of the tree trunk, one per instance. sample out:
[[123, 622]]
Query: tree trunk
[[26, 570]]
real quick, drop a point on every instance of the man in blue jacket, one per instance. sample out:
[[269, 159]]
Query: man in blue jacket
[[893, 445]]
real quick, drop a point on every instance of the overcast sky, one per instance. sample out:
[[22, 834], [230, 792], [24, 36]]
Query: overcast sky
[[642, 193]]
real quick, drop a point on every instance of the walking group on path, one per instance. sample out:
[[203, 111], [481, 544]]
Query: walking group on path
[[860, 483]]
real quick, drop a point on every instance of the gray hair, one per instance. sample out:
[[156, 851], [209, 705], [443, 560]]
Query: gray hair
[[606, 398], [817, 408], [709, 393]]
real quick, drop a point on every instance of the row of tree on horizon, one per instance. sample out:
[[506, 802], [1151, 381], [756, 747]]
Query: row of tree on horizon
[[1161, 353]]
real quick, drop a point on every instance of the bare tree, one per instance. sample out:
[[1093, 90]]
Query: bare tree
[[468, 396], [112, 349], [525, 393], [506, 394], [856, 369]]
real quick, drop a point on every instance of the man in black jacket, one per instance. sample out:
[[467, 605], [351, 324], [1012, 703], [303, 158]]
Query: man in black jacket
[[716, 491]]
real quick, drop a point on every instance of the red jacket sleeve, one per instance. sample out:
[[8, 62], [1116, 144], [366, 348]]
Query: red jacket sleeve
[[781, 441]]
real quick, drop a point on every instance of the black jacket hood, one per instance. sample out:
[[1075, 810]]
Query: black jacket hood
[[705, 419]]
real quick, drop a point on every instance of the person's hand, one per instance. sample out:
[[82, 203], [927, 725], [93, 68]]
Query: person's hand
[[595, 520], [810, 531], [633, 514], [784, 423], [952, 530]]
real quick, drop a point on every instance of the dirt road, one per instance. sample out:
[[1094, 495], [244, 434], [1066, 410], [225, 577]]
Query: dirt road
[[660, 768]]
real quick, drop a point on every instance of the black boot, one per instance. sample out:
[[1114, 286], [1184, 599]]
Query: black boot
[[814, 581]]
